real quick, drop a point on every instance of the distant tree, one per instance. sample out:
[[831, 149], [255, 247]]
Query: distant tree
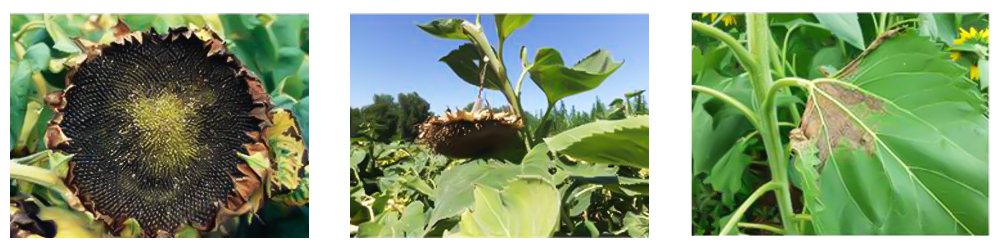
[[356, 120], [559, 119], [598, 111], [641, 107], [383, 112], [579, 118], [412, 111]]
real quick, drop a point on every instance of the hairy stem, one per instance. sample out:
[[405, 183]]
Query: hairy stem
[[759, 34]]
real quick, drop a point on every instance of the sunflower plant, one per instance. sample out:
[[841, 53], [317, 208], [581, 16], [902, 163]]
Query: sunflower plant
[[840, 124]]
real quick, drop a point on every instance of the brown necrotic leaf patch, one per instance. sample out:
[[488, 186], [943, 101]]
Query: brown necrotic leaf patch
[[828, 124], [155, 123], [827, 121]]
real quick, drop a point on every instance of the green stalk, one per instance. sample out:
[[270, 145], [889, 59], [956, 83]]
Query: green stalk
[[781, 85], [777, 64], [883, 22], [520, 80], [479, 39], [735, 218], [756, 61], [747, 112], [742, 55], [760, 76], [29, 26], [475, 33], [761, 227], [775, 61]]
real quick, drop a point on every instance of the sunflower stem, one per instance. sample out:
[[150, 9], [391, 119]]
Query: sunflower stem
[[760, 76], [475, 33]]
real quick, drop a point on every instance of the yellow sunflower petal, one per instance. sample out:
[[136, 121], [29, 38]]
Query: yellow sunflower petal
[[959, 41], [963, 33], [973, 33], [955, 56], [974, 72], [985, 35], [714, 16], [729, 20], [704, 14]]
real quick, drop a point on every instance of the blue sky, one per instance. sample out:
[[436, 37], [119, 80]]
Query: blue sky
[[390, 55]]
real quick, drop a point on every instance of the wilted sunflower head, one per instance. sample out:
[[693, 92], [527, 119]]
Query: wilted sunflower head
[[155, 124], [469, 134]]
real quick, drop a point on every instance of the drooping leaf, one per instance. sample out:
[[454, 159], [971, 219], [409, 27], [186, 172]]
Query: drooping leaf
[[715, 131], [290, 61], [940, 26], [586, 228], [580, 198], [528, 207], [445, 28], [638, 225], [301, 112], [629, 186], [697, 60], [806, 169], [20, 83], [455, 185], [829, 56], [465, 62], [559, 81], [288, 29], [265, 49], [393, 225], [538, 157], [902, 144], [62, 41], [507, 23], [288, 151], [582, 171], [984, 73], [727, 174], [38, 55], [619, 142], [845, 26]]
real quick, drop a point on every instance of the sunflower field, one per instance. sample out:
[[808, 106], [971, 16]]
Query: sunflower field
[[502, 172]]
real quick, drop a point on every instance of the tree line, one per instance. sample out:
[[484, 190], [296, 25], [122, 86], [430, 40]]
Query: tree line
[[397, 119]]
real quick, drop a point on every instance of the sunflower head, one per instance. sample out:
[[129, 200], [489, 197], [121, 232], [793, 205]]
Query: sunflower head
[[469, 134], [156, 124]]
